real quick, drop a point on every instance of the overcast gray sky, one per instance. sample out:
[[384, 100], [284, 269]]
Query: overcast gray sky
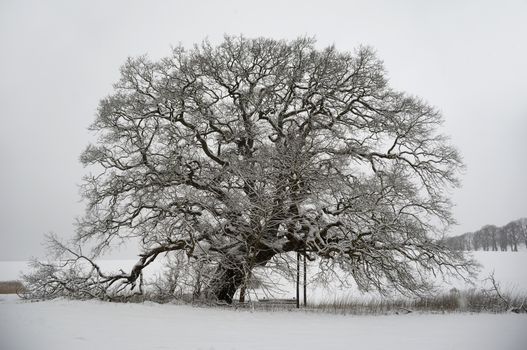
[[59, 58]]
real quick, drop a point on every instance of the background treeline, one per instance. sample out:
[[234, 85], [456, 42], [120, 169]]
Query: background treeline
[[492, 238]]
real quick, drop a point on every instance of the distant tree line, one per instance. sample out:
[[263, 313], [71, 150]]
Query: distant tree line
[[492, 238]]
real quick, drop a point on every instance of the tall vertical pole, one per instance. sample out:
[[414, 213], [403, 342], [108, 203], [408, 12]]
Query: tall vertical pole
[[305, 280], [298, 280]]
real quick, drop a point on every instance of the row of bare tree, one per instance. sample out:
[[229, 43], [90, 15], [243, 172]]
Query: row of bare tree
[[492, 238]]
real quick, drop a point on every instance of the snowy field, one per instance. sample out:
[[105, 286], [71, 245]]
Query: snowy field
[[62, 324], [67, 325], [508, 268]]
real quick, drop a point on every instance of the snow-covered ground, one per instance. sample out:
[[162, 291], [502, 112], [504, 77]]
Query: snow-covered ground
[[67, 325], [62, 324]]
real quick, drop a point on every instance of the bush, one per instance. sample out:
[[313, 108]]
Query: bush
[[11, 287], [455, 301]]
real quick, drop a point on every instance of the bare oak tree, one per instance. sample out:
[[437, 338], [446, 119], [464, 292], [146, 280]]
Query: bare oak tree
[[239, 153]]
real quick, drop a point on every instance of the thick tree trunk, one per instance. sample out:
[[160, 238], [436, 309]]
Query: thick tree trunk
[[225, 283], [229, 276]]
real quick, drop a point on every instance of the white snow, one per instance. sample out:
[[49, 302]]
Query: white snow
[[65, 325]]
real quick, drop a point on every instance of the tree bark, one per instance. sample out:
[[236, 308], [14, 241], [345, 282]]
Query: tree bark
[[229, 276], [225, 282]]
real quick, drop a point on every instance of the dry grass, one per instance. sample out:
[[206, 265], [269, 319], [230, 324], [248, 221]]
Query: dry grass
[[472, 301], [11, 287], [458, 301]]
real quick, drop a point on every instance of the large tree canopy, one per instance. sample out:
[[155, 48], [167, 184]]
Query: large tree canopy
[[238, 153]]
